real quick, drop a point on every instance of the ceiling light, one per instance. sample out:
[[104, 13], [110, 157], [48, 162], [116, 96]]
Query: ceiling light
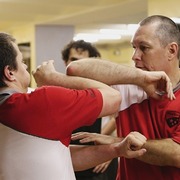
[[92, 37], [108, 33], [127, 30]]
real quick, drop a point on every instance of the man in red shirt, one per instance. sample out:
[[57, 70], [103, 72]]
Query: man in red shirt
[[156, 46], [36, 127]]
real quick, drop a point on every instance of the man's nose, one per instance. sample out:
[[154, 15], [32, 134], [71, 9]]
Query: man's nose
[[136, 55]]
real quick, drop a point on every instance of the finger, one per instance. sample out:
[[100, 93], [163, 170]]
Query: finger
[[74, 134], [83, 138], [169, 88], [87, 140], [137, 153], [48, 62], [100, 168], [139, 136], [97, 169], [136, 140], [157, 96], [104, 168], [170, 94], [51, 61], [78, 135], [44, 63]]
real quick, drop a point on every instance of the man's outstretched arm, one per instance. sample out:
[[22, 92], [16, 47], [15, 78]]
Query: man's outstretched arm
[[46, 74], [85, 157], [155, 83]]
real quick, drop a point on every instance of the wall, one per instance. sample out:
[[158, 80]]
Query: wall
[[119, 53]]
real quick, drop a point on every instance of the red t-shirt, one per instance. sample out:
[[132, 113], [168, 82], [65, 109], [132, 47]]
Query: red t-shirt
[[51, 112], [156, 120]]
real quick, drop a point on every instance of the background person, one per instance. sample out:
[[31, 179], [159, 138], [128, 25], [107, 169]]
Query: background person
[[74, 51]]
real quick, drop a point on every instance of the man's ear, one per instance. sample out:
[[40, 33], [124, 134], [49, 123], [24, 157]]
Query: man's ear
[[9, 73], [173, 50]]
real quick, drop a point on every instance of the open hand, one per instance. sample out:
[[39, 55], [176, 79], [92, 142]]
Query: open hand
[[86, 137]]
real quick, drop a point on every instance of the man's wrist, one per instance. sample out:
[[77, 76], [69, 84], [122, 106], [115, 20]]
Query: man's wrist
[[139, 78]]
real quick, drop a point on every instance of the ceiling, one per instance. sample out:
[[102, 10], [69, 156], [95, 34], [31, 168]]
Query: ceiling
[[85, 15]]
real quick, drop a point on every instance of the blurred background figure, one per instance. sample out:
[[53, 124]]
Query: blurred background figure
[[74, 51]]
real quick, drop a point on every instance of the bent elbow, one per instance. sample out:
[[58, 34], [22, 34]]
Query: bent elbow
[[111, 102], [115, 102], [71, 69]]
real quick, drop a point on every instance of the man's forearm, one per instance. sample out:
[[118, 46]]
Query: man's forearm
[[59, 79], [164, 152], [155, 83], [105, 71], [85, 157]]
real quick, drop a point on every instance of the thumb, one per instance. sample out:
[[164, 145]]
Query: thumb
[[137, 153]]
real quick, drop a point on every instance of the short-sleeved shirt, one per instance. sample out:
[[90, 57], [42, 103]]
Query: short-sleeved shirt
[[36, 131], [156, 119]]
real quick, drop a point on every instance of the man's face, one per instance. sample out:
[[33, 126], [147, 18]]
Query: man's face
[[21, 74], [76, 54], [148, 54]]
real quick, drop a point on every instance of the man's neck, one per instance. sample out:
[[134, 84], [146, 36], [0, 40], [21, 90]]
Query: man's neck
[[175, 78]]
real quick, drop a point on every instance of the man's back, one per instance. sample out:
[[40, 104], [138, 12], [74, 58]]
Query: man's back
[[36, 158]]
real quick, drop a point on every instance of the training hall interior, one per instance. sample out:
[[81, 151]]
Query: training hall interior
[[43, 27]]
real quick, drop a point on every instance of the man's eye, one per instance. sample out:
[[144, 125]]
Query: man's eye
[[143, 48], [73, 59]]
